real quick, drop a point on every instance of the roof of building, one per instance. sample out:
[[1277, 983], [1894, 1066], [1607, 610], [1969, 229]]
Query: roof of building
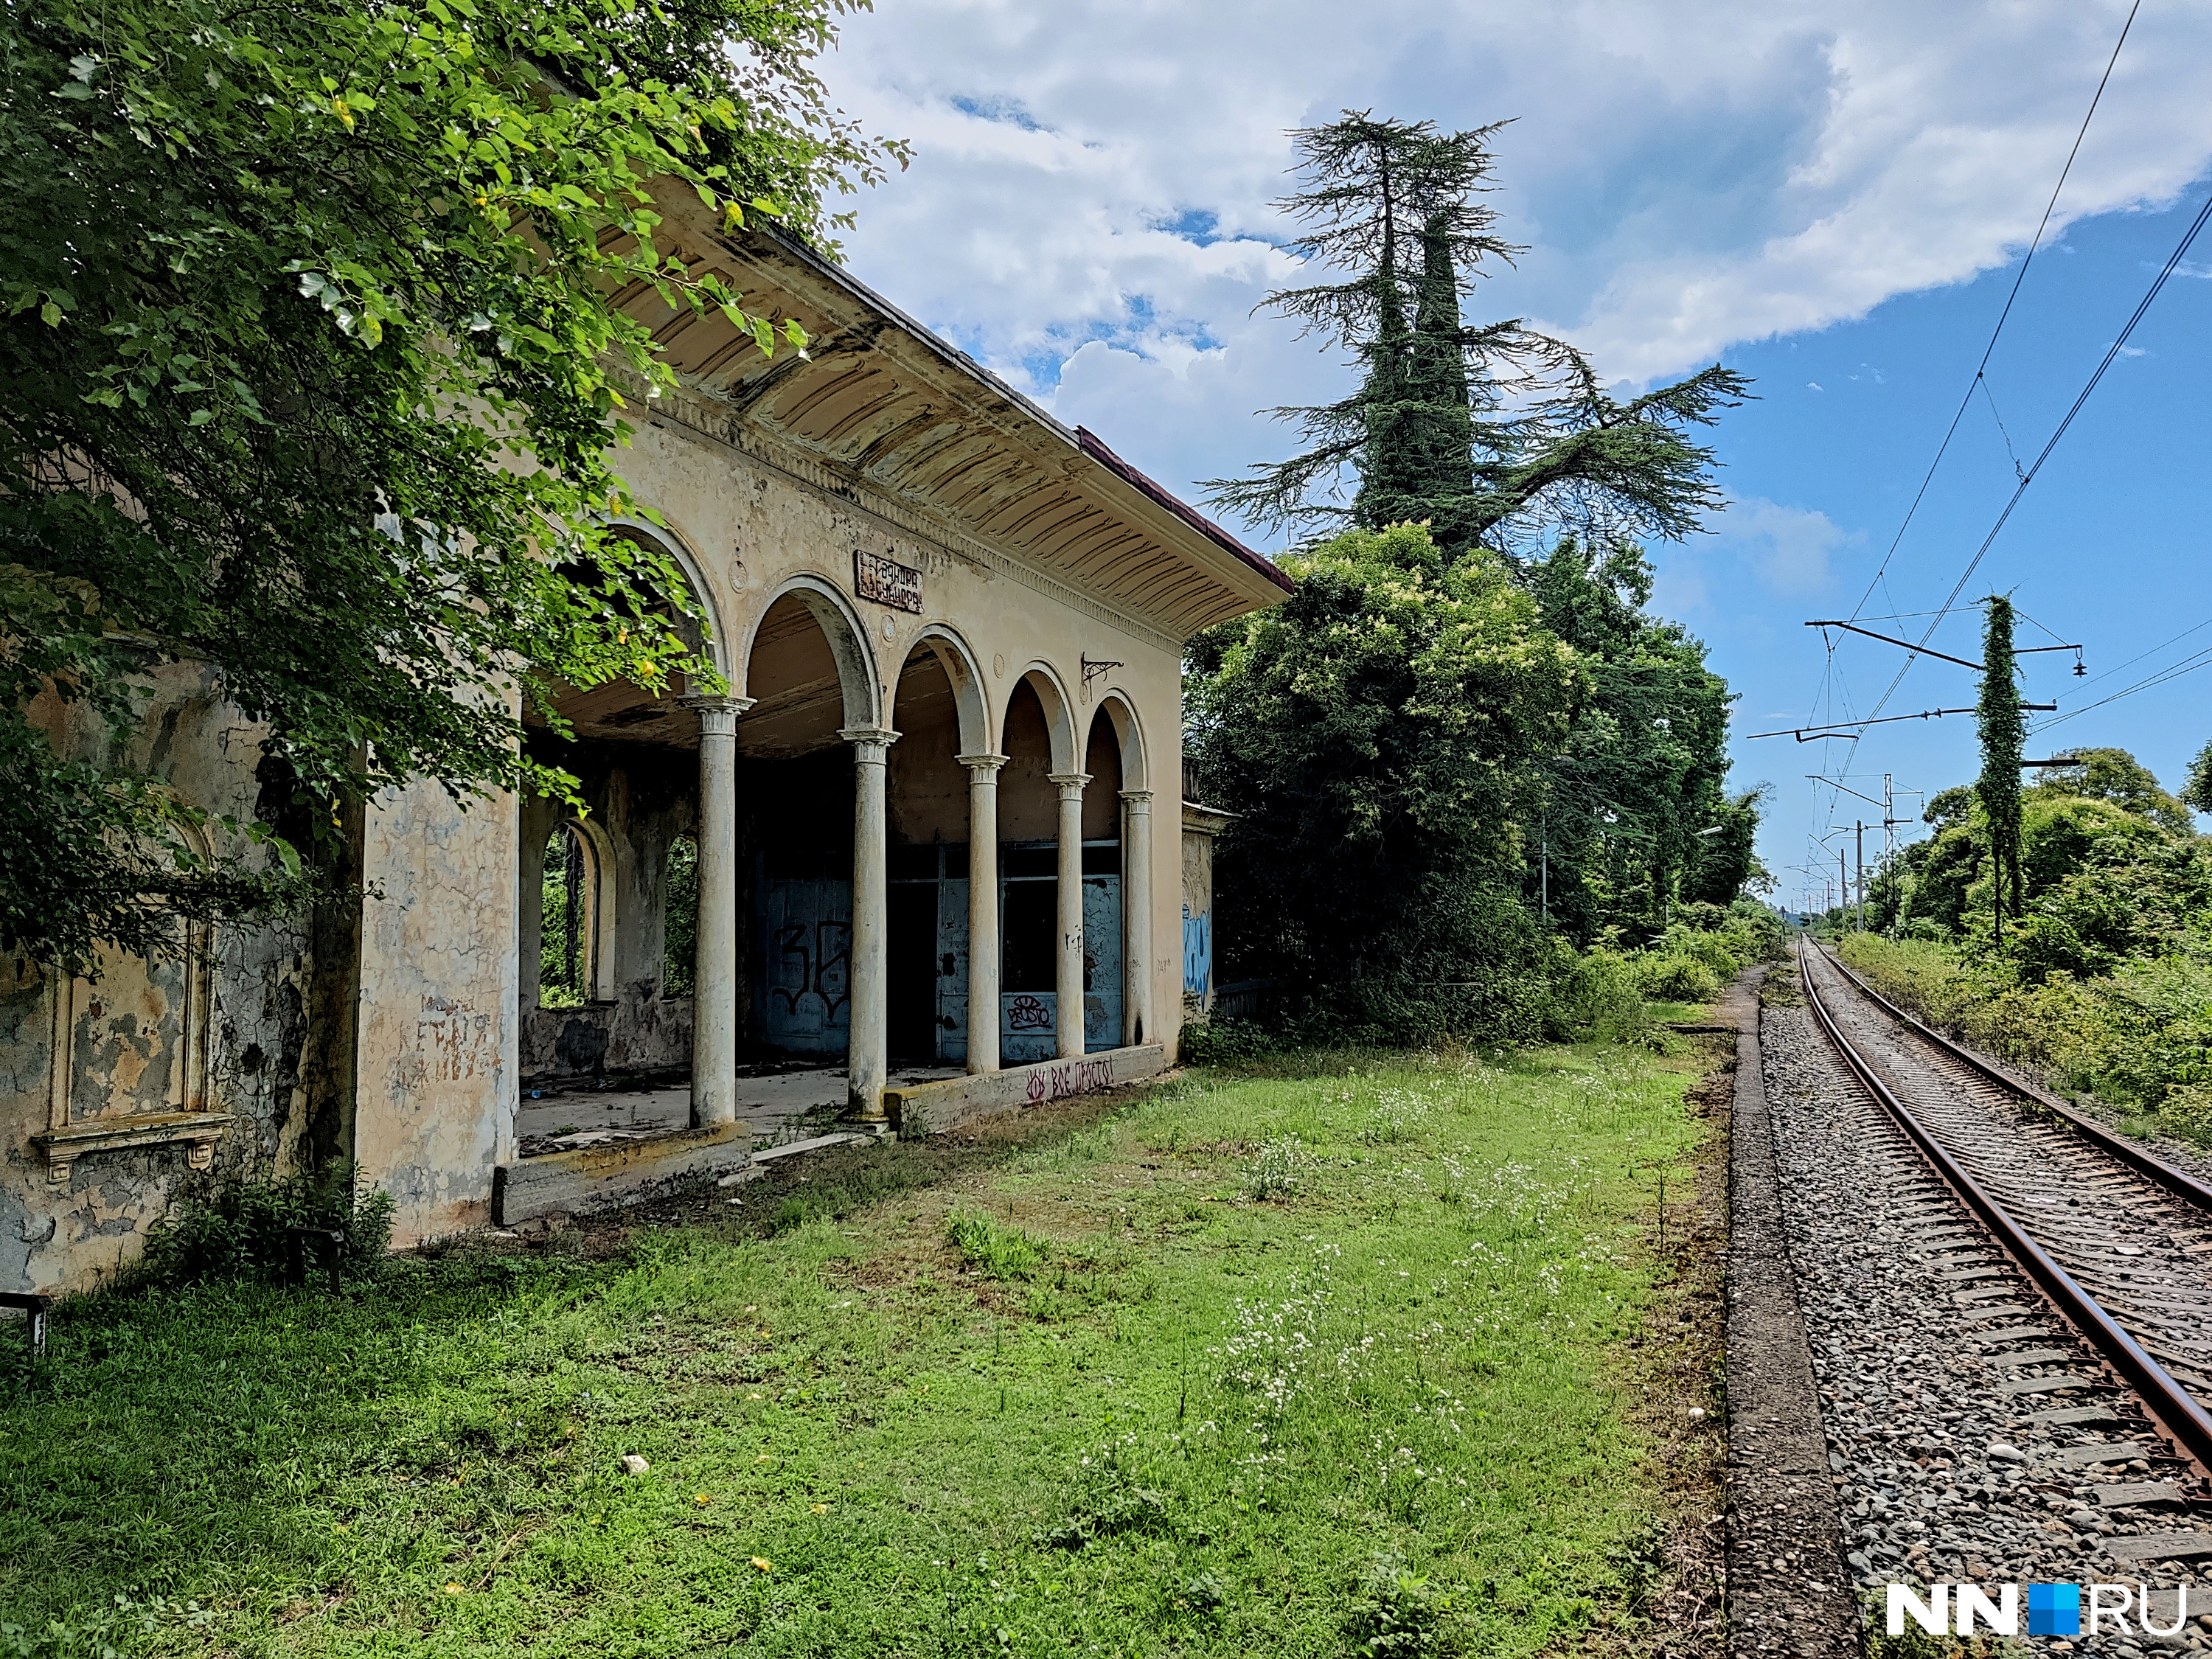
[[883, 405]]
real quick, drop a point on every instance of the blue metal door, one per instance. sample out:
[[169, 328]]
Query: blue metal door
[[806, 940]]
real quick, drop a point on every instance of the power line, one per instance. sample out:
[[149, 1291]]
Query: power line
[[1811, 733], [1966, 399], [2153, 652], [2112, 356], [2020, 277], [2186, 666]]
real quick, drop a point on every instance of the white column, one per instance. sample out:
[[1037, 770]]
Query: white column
[[983, 910], [714, 970], [1137, 1025], [867, 1060], [1067, 1018]]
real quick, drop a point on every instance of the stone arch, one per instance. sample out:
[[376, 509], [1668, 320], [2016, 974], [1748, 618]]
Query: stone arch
[[1068, 738], [1129, 733], [847, 636], [717, 642], [602, 872], [977, 730]]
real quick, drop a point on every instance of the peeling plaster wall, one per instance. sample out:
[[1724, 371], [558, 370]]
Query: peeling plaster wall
[[396, 1033], [222, 1025], [437, 1068]]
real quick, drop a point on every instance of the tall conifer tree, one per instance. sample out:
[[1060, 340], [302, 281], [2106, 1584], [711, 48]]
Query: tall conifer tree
[[1475, 431]]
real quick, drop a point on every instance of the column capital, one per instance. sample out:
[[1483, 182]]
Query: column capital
[[1071, 783], [872, 742], [718, 716], [982, 763], [1137, 797]]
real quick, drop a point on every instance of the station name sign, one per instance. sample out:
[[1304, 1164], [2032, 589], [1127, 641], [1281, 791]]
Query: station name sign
[[886, 581]]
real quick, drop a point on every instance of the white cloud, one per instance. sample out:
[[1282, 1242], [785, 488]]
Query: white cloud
[[1788, 547], [1088, 209]]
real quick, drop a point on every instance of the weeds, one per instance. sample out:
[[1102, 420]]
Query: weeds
[[998, 1250], [1113, 1501], [1396, 1614], [1398, 1116], [243, 1229], [1274, 1172]]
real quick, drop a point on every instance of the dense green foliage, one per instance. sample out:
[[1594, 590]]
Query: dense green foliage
[[1449, 755], [679, 913], [1379, 732], [256, 261], [1632, 813], [1076, 1392], [564, 936], [242, 1228], [2105, 978], [1438, 792], [2004, 732]]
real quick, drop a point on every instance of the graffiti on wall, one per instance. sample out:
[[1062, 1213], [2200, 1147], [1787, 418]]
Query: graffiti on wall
[[815, 961], [1197, 952], [454, 1037], [1076, 1076], [806, 977]]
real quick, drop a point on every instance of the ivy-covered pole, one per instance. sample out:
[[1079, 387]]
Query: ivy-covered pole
[[1998, 715]]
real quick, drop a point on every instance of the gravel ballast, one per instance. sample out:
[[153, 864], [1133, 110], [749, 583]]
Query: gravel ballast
[[1970, 1435]]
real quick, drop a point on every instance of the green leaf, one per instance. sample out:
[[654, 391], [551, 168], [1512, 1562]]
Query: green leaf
[[249, 275]]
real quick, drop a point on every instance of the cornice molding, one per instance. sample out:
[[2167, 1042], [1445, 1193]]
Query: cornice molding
[[694, 410]]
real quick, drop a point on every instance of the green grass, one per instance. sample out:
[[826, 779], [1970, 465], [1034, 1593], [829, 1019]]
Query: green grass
[[1079, 1393]]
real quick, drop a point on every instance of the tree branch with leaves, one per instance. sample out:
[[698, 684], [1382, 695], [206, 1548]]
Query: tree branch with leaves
[[311, 370]]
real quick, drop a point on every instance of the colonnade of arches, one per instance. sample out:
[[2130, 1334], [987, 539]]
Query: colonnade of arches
[[937, 864]]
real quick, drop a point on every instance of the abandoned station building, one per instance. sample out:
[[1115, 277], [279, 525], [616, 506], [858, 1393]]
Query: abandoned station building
[[927, 859]]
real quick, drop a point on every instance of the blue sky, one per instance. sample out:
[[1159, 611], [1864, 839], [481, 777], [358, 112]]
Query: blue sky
[[1832, 199], [2108, 549]]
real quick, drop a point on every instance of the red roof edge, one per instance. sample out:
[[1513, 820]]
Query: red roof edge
[[1095, 447]]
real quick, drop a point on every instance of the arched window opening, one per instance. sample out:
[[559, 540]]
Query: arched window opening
[[679, 917], [565, 948]]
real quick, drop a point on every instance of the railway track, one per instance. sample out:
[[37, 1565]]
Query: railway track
[[2060, 1218]]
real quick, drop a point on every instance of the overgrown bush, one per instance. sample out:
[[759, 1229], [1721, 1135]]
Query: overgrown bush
[[1598, 996], [1665, 976], [238, 1229], [1533, 988], [2139, 1038], [1222, 1040]]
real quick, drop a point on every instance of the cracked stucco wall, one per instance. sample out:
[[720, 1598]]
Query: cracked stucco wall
[[221, 1024], [435, 1053]]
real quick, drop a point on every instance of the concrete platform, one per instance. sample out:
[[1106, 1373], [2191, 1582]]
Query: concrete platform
[[933, 1107], [784, 1104], [594, 1149]]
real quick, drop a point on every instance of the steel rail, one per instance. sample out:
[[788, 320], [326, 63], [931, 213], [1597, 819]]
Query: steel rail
[[2171, 1409], [2179, 1181]]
